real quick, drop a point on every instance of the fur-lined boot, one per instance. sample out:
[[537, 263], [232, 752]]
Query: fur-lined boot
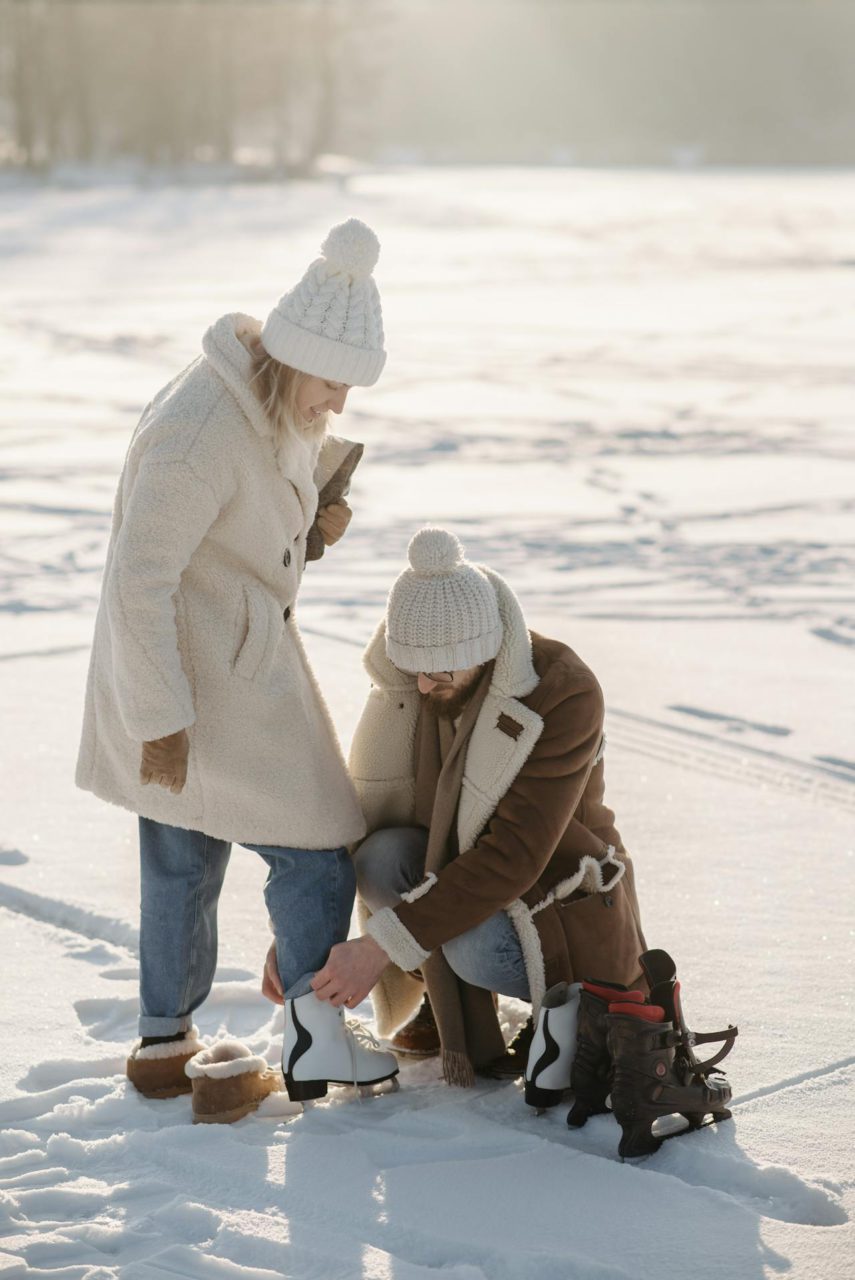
[[228, 1082], [158, 1070]]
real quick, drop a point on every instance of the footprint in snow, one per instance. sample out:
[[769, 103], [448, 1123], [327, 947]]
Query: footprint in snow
[[12, 858]]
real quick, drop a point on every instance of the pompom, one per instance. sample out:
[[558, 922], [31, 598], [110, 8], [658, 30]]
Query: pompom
[[434, 551], [352, 249]]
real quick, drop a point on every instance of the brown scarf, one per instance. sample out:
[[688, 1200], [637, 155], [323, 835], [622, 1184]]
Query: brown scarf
[[465, 1015]]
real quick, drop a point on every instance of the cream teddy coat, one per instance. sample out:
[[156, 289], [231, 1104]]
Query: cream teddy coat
[[196, 627]]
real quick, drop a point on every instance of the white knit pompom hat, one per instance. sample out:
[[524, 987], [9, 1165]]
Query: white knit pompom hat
[[331, 324], [442, 613]]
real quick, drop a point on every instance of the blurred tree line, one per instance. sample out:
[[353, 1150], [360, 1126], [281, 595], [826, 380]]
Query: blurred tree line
[[273, 86], [173, 82]]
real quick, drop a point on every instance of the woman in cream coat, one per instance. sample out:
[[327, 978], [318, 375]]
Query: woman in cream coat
[[202, 713]]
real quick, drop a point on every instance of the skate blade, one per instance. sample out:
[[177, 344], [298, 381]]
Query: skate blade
[[379, 1090], [674, 1126]]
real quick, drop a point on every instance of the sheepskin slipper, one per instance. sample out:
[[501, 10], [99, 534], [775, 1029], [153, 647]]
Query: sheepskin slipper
[[228, 1082], [158, 1070]]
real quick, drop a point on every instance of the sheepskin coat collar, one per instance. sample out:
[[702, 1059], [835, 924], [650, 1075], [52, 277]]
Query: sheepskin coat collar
[[196, 626], [226, 351], [225, 346]]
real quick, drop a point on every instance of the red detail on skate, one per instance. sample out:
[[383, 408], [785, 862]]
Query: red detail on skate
[[647, 1012], [613, 993], [660, 1068]]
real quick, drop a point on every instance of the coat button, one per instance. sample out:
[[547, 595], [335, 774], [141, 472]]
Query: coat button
[[286, 614], [286, 559], [608, 901]]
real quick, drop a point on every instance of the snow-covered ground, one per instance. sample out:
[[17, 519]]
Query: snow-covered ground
[[631, 394]]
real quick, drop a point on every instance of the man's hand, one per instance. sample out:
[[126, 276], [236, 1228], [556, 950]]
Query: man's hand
[[271, 983], [164, 761], [352, 969], [333, 521]]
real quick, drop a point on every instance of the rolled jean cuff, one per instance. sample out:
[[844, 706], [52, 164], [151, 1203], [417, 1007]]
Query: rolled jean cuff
[[301, 987], [164, 1026]]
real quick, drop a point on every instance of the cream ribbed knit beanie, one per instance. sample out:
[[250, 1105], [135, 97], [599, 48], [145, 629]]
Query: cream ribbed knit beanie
[[331, 324], [442, 613]]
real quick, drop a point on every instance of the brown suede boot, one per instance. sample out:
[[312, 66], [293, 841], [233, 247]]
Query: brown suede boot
[[229, 1082], [420, 1037], [158, 1070]]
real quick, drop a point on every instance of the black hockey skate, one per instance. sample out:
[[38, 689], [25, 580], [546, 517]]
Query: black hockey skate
[[590, 1073], [656, 1072]]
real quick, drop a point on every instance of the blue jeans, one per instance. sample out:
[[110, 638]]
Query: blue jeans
[[309, 895], [391, 862]]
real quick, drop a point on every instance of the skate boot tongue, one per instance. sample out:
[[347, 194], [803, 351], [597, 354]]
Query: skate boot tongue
[[658, 967], [667, 995]]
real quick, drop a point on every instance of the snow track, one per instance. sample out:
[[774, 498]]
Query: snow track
[[96, 1181], [657, 454], [65, 915], [741, 763]]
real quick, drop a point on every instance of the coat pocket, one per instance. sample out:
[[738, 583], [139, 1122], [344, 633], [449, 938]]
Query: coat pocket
[[603, 939], [260, 625]]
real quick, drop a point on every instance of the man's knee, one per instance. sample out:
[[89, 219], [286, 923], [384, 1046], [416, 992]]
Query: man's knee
[[388, 863], [489, 955], [466, 955]]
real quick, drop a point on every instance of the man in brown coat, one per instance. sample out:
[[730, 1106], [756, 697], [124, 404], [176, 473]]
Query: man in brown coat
[[492, 862]]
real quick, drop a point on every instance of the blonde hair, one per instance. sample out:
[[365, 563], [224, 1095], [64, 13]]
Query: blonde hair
[[276, 386]]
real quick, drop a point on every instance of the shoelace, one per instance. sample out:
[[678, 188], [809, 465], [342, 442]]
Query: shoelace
[[357, 1031]]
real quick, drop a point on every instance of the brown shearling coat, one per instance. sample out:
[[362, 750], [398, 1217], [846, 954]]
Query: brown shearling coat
[[534, 835], [552, 815]]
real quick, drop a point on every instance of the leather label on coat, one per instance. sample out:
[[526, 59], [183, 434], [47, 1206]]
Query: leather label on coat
[[508, 725]]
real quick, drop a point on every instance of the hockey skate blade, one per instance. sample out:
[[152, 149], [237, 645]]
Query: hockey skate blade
[[675, 1126]]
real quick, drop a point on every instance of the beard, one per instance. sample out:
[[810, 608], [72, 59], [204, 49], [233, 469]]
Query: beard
[[450, 705]]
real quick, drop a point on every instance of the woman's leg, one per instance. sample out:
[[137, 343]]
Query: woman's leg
[[309, 895], [490, 956], [181, 875]]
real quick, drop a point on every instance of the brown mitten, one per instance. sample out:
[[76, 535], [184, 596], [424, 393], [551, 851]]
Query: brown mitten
[[164, 761]]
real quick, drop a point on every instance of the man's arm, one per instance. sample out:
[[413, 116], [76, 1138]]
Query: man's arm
[[350, 972], [509, 857]]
